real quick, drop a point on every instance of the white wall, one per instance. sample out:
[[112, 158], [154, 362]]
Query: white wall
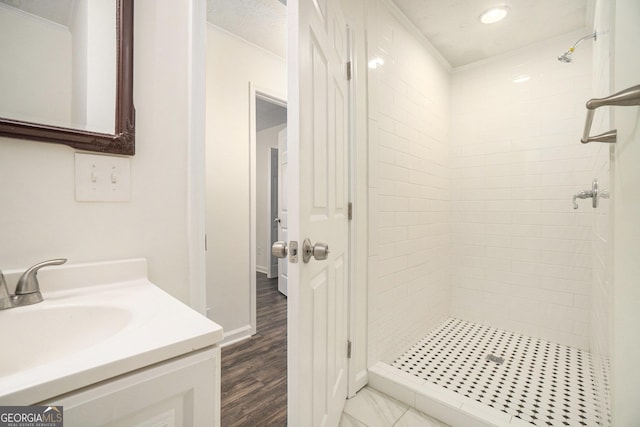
[[602, 245], [408, 185], [36, 81], [42, 220], [626, 212], [521, 255], [265, 140], [231, 65]]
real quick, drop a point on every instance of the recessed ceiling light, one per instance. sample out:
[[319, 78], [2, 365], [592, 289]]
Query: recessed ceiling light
[[494, 15]]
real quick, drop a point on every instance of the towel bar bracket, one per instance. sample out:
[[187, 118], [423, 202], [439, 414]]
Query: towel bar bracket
[[608, 137], [627, 97]]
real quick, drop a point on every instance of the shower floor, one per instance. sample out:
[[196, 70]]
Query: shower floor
[[539, 382]]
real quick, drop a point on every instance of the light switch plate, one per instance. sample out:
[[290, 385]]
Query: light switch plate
[[101, 178]]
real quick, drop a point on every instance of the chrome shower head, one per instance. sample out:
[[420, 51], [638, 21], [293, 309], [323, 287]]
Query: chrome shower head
[[566, 57]]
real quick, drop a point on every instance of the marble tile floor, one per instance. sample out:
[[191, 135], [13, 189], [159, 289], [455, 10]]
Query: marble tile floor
[[371, 408]]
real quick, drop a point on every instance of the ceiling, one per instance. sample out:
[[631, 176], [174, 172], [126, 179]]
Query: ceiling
[[58, 11], [269, 114], [261, 22], [452, 26]]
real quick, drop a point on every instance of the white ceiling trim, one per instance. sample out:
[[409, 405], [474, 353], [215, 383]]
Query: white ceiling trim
[[576, 34], [250, 43]]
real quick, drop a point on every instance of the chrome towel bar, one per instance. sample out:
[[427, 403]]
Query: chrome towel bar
[[627, 97]]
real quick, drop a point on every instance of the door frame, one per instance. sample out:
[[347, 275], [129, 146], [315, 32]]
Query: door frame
[[356, 379], [278, 99], [272, 219], [359, 170]]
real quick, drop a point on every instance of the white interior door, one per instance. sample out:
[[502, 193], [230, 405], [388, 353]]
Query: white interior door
[[317, 206], [282, 208]]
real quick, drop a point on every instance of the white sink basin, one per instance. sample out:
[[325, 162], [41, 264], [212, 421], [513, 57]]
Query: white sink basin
[[42, 334], [97, 321]]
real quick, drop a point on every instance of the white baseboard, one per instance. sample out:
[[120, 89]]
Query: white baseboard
[[261, 269], [236, 335], [362, 378]]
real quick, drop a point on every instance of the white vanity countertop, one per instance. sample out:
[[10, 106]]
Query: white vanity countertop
[[97, 321]]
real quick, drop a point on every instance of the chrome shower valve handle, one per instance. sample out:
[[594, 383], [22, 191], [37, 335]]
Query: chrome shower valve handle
[[594, 194], [581, 195]]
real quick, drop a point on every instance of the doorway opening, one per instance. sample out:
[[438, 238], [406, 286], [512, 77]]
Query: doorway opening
[[269, 162], [261, 361], [268, 216], [254, 371]]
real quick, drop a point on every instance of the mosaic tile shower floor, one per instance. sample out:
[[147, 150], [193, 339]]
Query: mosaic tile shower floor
[[543, 383]]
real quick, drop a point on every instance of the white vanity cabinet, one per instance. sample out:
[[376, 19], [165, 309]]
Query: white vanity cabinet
[[184, 391], [121, 351]]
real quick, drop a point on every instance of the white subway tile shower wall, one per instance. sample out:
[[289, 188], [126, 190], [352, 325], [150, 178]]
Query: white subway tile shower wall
[[602, 247], [408, 186], [522, 255]]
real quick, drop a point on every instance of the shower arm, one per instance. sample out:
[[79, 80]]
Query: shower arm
[[593, 36], [627, 97]]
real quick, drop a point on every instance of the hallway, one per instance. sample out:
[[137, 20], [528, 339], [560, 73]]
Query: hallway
[[254, 371]]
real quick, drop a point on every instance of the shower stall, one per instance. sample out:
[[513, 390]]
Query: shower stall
[[489, 294]]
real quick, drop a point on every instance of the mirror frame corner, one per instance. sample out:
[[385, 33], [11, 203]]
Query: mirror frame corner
[[123, 140]]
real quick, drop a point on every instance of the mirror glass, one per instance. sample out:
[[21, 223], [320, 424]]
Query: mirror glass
[[59, 63], [66, 73]]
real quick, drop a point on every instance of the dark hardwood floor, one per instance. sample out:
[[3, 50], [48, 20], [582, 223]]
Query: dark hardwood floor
[[254, 371]]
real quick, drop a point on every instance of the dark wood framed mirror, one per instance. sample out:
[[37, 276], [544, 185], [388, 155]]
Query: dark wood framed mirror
[[122, 140]]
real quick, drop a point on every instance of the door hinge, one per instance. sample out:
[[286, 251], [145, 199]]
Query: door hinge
[[349, 70], [205, 242], [349, 349], [350, 211]]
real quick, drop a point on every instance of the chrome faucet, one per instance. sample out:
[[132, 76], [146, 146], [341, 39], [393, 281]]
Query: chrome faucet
[[28, 289], [594, 194], [5, 298]]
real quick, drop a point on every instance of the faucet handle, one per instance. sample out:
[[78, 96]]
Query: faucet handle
[[28, 288], [581, 195], [595, 194]]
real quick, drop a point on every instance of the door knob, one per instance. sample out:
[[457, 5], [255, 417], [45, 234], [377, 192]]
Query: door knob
[[320, 251], [279, 249]]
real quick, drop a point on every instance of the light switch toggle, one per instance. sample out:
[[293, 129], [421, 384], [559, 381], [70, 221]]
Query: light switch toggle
[[102, 178]]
